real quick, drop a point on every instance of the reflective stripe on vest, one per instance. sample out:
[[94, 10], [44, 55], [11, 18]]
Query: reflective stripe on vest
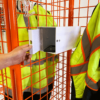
[[27, 22], [86, 45], [79, 69], [41, 62], [95, 44], [50, 81], [91, 83]]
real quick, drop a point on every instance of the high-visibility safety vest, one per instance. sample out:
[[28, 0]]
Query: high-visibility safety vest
[[85, 59], [46, 74]]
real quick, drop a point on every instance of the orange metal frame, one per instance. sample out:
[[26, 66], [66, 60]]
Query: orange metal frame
[[9, 13]]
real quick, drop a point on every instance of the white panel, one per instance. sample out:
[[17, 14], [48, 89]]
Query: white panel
[[67, 38], [5, 47], [4, 36], [34, 36], [4, 44]]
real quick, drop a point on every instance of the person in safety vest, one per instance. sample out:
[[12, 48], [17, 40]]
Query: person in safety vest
[[47, 74], [85, 62]]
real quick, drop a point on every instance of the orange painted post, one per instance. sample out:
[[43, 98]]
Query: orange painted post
[[14, 70], [8, 35], [70, 23], [71, 12], [7, 26], [0, 28]]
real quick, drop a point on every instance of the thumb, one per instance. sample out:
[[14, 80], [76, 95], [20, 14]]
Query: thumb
[[27, 48]]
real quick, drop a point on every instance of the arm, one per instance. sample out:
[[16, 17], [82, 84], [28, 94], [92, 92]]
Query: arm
[[5, 60], [15, 57]]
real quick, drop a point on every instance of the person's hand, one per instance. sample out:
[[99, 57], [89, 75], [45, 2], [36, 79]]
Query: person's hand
[[19, 54]]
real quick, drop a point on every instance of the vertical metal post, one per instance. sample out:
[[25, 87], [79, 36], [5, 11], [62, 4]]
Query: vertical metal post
[[7, 29], [71, 12], [7, 26], [14, 70], [70, 23]]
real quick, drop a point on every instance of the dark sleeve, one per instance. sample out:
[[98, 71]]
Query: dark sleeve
[[94, 9]]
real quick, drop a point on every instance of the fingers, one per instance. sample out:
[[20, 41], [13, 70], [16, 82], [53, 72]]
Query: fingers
[[27, 48], [24, 45], [27, 58], [30, 56]]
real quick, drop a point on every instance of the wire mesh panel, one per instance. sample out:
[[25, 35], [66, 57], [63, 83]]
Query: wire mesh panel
[[46, 76], [5, 47], [83, 11]]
